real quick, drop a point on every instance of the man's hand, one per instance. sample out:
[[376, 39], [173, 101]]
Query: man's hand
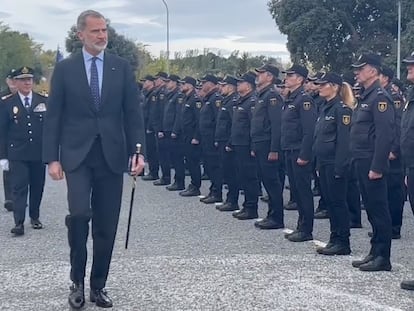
[[374, 175], [55, 170], [392, 156], [160, 135], [273, 156], [4, 164], [301, 162], [137, 165], [195, 141]]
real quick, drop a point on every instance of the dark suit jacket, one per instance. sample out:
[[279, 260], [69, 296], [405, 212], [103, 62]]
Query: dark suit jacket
[[20, 129], [72, 122]]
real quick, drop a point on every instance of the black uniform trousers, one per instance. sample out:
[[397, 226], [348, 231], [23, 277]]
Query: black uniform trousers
[[376, 206], [27, 178], [211, 156], [334, 190], [247, 174], [353, 197], [164, 154], [192, 156], [177, 160], [8, 191], [395, 184], [229, 168], [269, 172], [94, 192], [152, 154], [300, 185]]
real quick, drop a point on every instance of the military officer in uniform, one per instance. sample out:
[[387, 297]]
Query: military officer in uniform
[[298, 123], [21, 130], [11, 89], [372, 135], [265, 132]]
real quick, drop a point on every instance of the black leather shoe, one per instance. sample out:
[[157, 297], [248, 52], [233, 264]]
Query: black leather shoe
[[191, 191], [76, 297], [321, 214], [265, 199], [334, 249], [161, 182], [358, 263], [149, 177], [291, 206], [300, 237], [175, 187], [407, 284], [101, 298], [288, 234], [18, 230], [8, 205], [377, 264], [245, 214], [227, 207], [36, 224], [212, 199], [268, 224]]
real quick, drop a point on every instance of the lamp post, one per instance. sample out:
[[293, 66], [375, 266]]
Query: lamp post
[[168, 36], [399, 40]]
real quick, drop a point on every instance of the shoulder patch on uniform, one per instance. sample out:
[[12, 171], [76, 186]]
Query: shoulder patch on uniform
[[198, 105], [307, 105], [382, 106], [346, 119], [273, 101], [397, 104]]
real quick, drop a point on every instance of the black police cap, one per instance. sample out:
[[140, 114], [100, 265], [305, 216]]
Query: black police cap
[[298, 69], [189, 80], [147, 78], [10, 73], [173, 78], [388, 72], [249, 77], [23, 72], [315, 77], [368, 59], [161, 74], [409, 59], [229, 80], [330, 77], [209, 78], [269, 68]]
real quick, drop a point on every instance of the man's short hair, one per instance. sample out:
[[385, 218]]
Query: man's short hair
[[81, 22]]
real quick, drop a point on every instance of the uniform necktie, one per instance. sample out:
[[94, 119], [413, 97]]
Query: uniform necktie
[[27, 103], [94, 83]]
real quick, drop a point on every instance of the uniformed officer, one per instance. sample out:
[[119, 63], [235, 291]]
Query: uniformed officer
[[210, 153], [298, 123], [190, 132], [21, 122], [372, 135], [11, 89], [265, 132], [331, 148], [395, 176], [240, 143], [222, 136], [407, 144]]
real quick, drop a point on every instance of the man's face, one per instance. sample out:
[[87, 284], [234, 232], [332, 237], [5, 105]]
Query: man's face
[[171, 85], [11, 85], [207, 87], [364, 74], [243, 87], [262, 78], [24, 85], [410, 72], [94, 37], [293, 81]]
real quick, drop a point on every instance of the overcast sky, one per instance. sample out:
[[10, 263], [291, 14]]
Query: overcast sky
[[227, 25]]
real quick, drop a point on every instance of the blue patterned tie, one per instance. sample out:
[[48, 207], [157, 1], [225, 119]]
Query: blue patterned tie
[[26, 103], [94, 84]]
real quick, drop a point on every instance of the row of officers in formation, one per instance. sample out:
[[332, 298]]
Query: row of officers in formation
[[356, 132]]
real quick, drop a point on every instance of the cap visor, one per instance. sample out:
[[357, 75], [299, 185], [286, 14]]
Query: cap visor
[[358, 65], [288, 71], [320, 82], [26, 75]]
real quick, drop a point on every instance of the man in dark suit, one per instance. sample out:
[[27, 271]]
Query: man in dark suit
[[93, 124], [21, 126]]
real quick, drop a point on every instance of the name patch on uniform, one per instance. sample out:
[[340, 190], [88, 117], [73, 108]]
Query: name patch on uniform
[[382, 106], [40, 108], [291, 106], [397, 104], [329, 118], [218, 103], [198, 105], [273, 101], [15, 109], [346, 120], [240, 108], [180, 100], [306, 105], [364, 105]]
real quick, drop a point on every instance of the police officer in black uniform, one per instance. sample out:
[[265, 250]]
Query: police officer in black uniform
[[222, 136], [331, 148], [298, 123], [21, 126], [407, 144], [210, 153], [11, 89], [265, 132], [372, 135], [190, 132], [240, 143], [395, 176]]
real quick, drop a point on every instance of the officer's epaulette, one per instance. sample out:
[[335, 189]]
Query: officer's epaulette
[[7, 96]]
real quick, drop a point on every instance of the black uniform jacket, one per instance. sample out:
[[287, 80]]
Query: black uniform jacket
[[21, 129], [372, 127], [407, 131], [224, 117], [242, 115], [190, 116], [208, 113], [171, 110], [331, 142]]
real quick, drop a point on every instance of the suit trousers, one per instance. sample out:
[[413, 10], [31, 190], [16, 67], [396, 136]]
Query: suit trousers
[[376, 206], [27, 178], [94, 192], [229, 168], [300, 185], [164, 155], [152, 154]]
